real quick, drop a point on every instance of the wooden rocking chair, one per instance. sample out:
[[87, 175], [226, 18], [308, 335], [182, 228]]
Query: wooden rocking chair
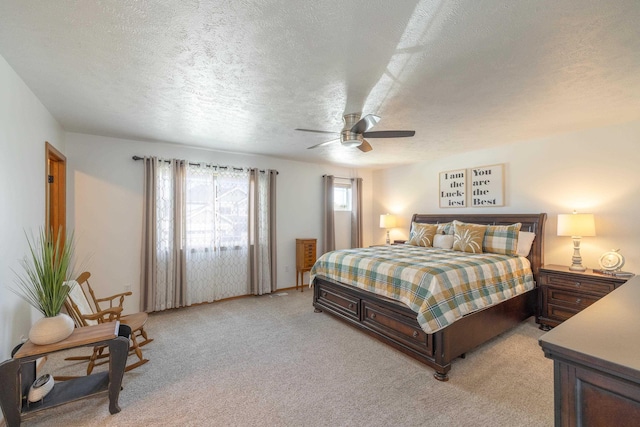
[[84, 313]]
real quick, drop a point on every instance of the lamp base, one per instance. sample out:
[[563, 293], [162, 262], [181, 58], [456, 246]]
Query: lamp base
[[576, 259], [388, 239]]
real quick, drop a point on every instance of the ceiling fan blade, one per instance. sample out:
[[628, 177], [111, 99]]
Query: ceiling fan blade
[[389, 134], [323, 143], [365, 146], [318, 131], [365, 123]]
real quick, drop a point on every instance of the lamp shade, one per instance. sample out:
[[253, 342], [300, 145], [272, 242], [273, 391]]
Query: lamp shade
[[387, 221], [576, 224]]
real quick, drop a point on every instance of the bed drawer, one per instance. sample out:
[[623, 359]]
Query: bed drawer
[[403, 329], [346, 304]]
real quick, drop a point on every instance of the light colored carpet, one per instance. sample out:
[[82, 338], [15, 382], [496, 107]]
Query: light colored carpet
[[272, 361]]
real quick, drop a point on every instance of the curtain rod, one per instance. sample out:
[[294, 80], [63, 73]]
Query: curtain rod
[[136, 158], [340, 177]]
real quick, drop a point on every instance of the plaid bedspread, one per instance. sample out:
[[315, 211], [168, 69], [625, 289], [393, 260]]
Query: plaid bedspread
[[440, 285]]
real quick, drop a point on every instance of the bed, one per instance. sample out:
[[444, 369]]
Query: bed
[[396, 324]]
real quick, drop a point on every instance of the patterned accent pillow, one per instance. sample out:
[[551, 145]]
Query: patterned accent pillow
[[445, 228], [468, 237], [501, 239], [422, 234]]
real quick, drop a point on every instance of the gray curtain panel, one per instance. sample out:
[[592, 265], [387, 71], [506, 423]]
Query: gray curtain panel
[[328, 226], [273, 249], [356, 212], [149, 236], [262, 233], [163, 275]]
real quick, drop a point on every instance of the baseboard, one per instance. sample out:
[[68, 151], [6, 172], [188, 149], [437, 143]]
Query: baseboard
[[293, 288]]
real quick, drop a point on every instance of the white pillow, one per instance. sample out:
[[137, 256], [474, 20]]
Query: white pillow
[[525, 240], [443, 241]]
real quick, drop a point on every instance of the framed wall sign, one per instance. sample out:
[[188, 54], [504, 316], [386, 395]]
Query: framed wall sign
[[486, 186], [453, 189]]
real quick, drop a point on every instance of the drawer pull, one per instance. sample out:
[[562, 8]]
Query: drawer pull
[[577, 283], [578, 301], [415, 334], [350, 305], [373, 315]]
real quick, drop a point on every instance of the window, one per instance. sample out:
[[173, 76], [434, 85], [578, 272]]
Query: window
[[217, 210], [341, 197]]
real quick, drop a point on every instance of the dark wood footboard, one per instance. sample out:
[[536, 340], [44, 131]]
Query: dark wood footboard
[[395, 324]]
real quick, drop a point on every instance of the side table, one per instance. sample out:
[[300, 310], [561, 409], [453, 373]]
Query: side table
[[17, 374], [564, 293]]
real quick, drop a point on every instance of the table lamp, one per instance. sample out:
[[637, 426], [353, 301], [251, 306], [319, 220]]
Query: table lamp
[[387, 221], [576, 225]]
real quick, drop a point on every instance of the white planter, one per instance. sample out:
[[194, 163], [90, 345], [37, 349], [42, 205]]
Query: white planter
[[49, 330]]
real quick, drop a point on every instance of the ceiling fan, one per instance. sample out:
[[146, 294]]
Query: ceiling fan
[[356, 129]]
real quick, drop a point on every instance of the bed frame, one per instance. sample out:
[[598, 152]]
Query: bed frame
[[395, 324]]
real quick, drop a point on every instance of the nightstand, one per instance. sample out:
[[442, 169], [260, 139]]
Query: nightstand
[[564, 293]]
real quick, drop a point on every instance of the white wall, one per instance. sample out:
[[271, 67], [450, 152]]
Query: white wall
[[595, 171], [25, 125], [105, 204]]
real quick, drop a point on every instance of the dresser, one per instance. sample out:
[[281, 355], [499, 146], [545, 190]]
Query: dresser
[[596, 366], [563, 293], [305, 258]]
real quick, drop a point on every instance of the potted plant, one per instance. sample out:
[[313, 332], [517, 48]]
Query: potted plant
[[44, 284]]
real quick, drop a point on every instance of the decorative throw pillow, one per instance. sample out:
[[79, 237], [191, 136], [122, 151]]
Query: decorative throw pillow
[[501, 239], [525, 240], [422, 234], [468, 237], [445, 228], [443, 241]]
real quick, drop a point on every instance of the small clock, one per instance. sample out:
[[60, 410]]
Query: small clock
[[611, 260]]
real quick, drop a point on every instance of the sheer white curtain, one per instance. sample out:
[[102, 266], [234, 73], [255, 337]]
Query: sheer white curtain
[[216, 230]]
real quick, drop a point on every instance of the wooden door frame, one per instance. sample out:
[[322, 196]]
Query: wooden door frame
[[55, 189]]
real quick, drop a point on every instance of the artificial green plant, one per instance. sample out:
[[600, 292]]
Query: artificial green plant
[[47, 268]]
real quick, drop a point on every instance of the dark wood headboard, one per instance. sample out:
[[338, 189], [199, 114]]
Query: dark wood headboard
[[533, 223]]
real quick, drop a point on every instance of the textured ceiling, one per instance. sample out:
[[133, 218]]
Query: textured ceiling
[[240, 75]]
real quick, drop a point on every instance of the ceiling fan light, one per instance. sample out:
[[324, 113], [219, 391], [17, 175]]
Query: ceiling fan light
[[350, 139], [351, 142]]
